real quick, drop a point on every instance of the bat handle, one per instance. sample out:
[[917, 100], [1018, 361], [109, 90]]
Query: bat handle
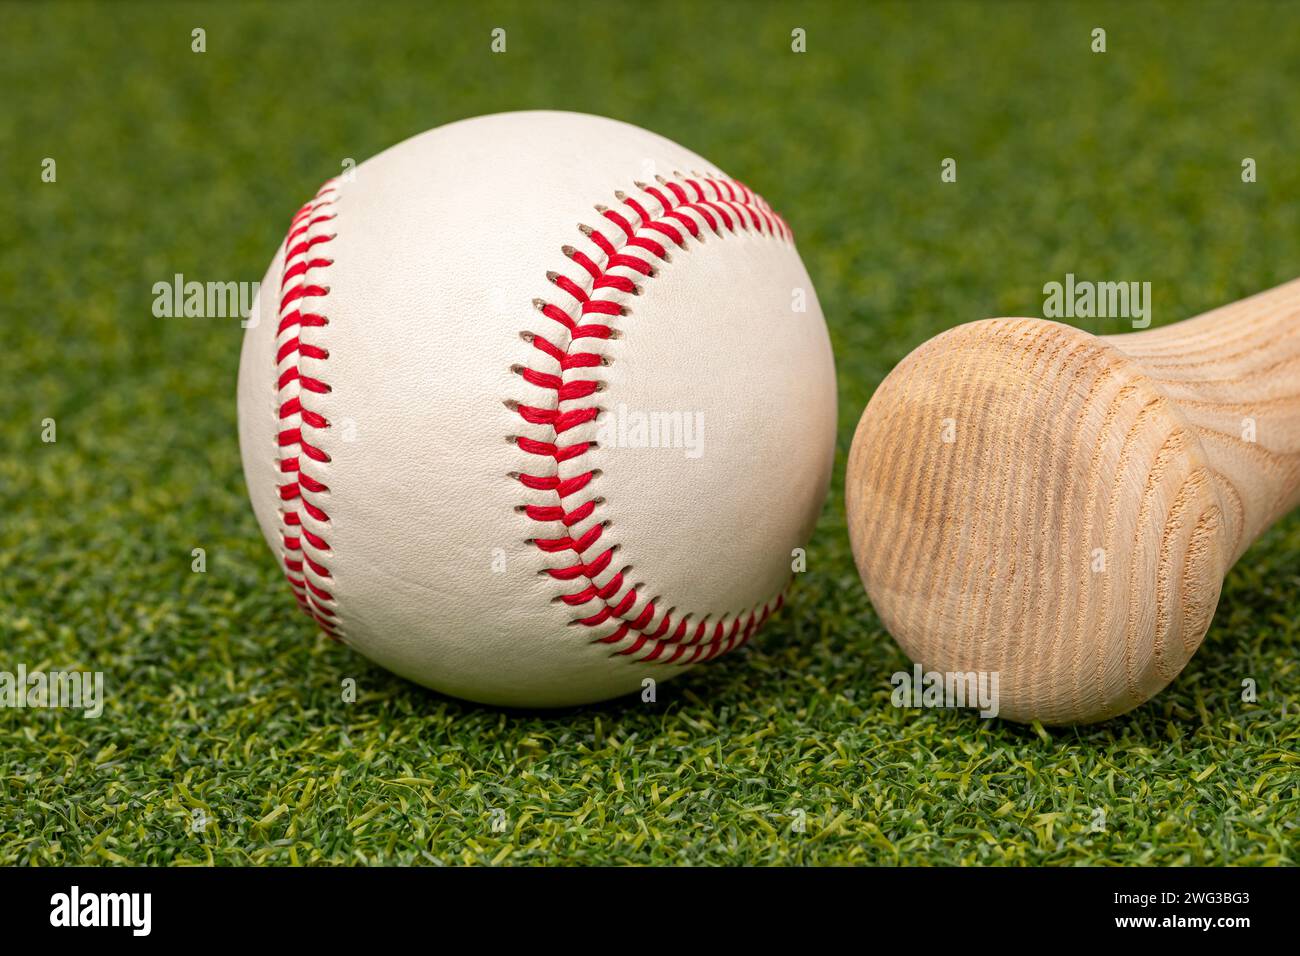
[[1234, 373]]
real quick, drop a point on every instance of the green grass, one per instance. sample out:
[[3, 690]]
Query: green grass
[[1121, 166]]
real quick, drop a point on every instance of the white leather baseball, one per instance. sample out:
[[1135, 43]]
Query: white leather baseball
[[434, 350]]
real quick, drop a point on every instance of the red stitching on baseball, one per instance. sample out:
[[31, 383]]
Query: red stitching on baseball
[[687, 208], [303, 549]]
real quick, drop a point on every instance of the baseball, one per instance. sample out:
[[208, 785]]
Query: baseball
[[536, 406]]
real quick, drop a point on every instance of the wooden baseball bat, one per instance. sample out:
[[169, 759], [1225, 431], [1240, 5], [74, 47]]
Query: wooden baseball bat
[[1061, 508]]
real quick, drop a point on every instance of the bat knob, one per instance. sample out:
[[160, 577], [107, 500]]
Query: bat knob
[[1024, 500]]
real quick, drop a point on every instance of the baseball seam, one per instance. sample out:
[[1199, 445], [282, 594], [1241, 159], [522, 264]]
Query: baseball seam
[[303, 550], [688, 206]]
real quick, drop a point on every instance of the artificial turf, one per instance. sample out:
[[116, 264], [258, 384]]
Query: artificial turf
[[226, 739]]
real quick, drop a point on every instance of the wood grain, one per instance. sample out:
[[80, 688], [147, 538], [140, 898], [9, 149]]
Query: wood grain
[[1061, 508]]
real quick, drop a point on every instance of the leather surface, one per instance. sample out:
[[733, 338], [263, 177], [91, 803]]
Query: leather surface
[[441, 245]]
